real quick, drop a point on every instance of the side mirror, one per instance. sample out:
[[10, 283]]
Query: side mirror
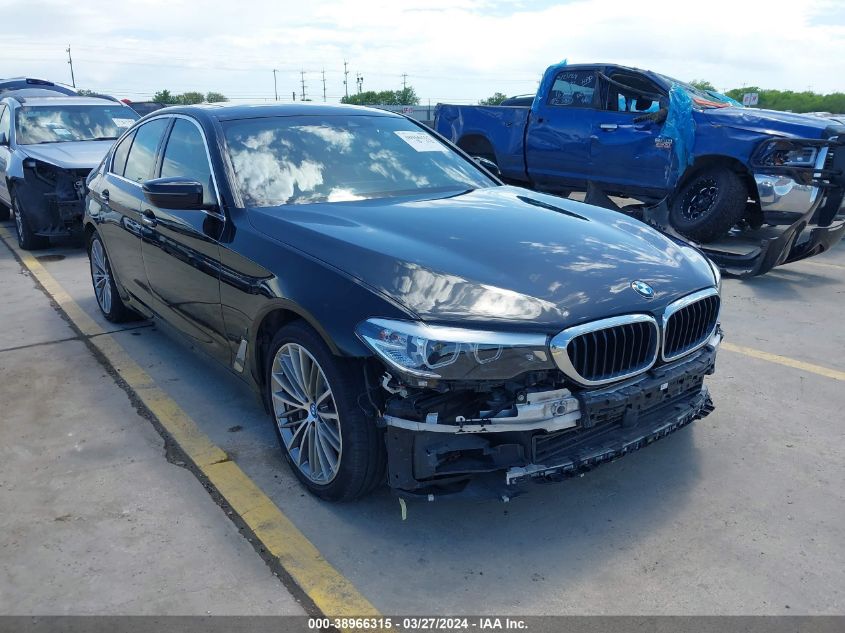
[[488, 164], [174, 193]]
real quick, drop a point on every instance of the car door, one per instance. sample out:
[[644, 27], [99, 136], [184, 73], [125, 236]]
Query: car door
[[557, 147], [627, 149], [180, 247], [5, 151], [118, 195]]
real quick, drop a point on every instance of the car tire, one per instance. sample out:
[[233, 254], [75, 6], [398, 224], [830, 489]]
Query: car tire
[[27, 240], [332, 446], [105, 288], [708, 204], [5, 212]]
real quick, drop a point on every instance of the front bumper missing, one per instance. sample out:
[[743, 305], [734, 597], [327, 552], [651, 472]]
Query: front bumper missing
[[613, 421], [53, 208]]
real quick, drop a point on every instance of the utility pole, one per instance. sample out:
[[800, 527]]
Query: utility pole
[[294, 95], [302, 80], [70, 61], [404, 82], [359, 79], [324, 84], [345, 79], [275, 87]]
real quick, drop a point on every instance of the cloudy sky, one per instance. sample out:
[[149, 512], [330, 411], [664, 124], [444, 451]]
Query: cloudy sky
[[451, 50]]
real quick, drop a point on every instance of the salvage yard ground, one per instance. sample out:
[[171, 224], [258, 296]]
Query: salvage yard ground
[[742, 513]]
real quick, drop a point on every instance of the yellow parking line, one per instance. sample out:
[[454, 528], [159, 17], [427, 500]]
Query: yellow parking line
[[331, 592], [827, 372]]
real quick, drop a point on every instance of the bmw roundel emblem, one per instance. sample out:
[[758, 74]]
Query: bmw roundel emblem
[[642, 288]]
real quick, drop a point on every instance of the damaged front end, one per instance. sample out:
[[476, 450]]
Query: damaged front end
[[52, 197], [591, 394]]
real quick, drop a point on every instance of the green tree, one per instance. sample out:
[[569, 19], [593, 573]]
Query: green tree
[[164, 96], [407, 96], [702, 84], [496, 99], [215, 97], [84, 92], [190, 98]]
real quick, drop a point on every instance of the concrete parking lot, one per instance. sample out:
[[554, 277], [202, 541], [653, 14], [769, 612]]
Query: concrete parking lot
[[741, 513]]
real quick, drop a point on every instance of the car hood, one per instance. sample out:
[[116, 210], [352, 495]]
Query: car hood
[[501, 254], [70, 155], [772, 122]]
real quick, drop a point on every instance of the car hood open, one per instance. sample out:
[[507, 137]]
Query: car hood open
[[501, 254], [70, 155]]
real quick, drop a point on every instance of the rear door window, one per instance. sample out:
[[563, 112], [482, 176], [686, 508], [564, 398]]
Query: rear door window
[[573, 88], [120, 154], [4, 121], [142, 156], [185, 156]]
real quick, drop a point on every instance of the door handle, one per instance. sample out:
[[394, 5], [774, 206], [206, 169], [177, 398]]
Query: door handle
[[104, 194], [608, 126], [148, 218]]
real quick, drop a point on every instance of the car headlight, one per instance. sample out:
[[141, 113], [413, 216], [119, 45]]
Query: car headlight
[[448, 353], [717, 274], [787, 154]]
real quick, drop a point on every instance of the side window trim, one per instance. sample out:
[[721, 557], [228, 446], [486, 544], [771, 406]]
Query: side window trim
[[219, 214], [125, 139]]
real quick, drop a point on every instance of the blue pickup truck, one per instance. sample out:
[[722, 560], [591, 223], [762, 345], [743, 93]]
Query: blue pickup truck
[[716, 165]]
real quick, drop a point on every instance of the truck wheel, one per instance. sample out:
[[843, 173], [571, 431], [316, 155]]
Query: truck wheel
[[331, 445], [27, 240], [708, 204]]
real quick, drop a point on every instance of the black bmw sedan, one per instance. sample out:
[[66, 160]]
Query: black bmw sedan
[[404, 316]]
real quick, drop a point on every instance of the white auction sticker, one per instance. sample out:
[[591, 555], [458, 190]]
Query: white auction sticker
[[421, 141], [123, 122]]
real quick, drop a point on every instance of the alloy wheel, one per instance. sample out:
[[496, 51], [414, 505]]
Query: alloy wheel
[[16, 210], [101, 276], [306, 413], [700, 200]]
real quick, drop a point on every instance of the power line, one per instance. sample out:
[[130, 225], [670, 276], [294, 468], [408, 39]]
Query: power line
[[302, 80], [345, 79]]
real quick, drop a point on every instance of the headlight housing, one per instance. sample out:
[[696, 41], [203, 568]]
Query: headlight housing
[[717, 274], [434, 352], [783, 153]]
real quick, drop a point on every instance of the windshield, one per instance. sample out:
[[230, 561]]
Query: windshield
[[305, 159], [60, 124]]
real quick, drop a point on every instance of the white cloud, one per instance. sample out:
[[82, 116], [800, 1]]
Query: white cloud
[[459, 50]]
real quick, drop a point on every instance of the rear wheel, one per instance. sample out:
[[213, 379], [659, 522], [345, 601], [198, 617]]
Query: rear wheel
[[709, 204], [105, 288], [27, 240], [331, 445]]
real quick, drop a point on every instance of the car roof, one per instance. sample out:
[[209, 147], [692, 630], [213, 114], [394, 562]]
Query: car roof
[[24, 83], [60, 100], [229, 111]]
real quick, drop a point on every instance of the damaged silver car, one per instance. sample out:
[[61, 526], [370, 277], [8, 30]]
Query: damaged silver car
[[49, 143]]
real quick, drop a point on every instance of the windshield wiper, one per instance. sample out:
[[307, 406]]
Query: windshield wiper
[[103, 138]]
